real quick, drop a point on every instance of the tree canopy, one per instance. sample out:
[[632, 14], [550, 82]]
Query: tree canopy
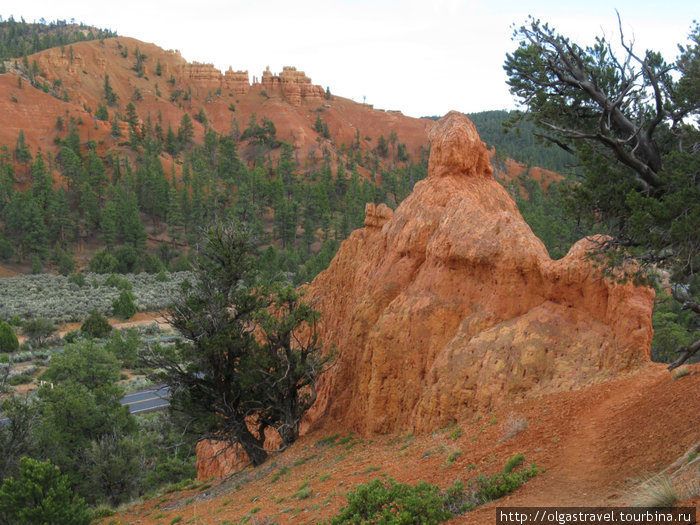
[[251, 356], [631, 121]]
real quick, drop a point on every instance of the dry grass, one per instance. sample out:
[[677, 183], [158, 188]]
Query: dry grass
[[513, 426], [680, 372], [658, 491]]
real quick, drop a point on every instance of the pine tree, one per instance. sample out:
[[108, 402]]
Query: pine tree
[[185, 133], [116, 130], [8, 339], [41, 494], [171, 143], [123, 307], [109, 223], [22, 153], [60, 218], [42, 185], [101, 112], [110, 95]]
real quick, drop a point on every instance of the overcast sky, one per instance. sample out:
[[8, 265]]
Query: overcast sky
[[423, 57]]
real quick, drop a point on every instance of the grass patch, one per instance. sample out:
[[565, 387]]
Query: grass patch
[[456, 433], [452, 457], [680, 372], [182, 485], [281, 472], [658, 491], [301, 461], [474, 438], [405, 438], [304, 492], [327, 441]]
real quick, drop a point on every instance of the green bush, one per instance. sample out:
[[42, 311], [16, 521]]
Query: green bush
[[41, 494], [392, 503], [37, 265], [103, 262], [513, 463], [7, 250], [152, 264], [113, 280], [20, 379], [63, 260], [77, 279], [71, 337], [96, 325], [8, 339], [487, 489], [37, 330], [124, 306], [125, 347], [128, 260]]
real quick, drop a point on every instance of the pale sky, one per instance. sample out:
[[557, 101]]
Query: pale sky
[[417, 56]]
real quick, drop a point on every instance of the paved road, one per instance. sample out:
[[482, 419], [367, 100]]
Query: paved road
[[147, 400], [140, 402]]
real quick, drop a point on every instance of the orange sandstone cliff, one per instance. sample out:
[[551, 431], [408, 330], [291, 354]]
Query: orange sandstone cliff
[[450, 305]]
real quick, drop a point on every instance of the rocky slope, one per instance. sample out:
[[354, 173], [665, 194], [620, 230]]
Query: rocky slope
[[451, 306], [597, 444], [168, 86]]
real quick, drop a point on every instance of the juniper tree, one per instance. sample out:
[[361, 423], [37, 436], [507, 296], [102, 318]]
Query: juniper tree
[[244, 366], [631, 121]]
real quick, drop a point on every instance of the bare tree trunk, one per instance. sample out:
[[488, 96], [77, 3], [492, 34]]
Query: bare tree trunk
[[253, 446]]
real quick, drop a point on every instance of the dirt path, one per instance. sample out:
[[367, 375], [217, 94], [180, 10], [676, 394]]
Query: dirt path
[[625, 431]]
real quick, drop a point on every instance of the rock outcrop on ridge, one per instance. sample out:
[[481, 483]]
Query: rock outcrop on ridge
[[451, 305]]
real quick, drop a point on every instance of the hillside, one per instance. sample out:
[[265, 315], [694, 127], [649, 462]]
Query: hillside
[[125, 145], [118, 144], [164, 86], [598, 445], [460, 344]]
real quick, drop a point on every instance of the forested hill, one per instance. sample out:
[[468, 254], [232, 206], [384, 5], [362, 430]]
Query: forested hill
[[19, 39], [116, 152]]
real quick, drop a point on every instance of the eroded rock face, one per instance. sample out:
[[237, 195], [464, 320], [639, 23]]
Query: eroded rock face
[[216, 459], [451, 305], [207, 76], [294, 85]]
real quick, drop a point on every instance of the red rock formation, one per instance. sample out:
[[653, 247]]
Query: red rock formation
[[451, 305], [237, 81], [293, 84], [215, 459]]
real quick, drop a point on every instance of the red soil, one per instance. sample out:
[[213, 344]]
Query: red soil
[[596, 444]]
